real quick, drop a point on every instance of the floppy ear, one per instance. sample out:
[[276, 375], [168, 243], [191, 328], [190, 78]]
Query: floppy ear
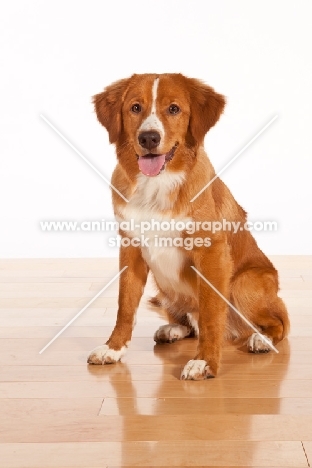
[[108, 107], [206, 108]]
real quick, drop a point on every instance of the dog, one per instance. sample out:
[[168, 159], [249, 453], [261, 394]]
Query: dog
[[158, 123]]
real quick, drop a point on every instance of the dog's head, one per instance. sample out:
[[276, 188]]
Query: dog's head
[[151, 117]]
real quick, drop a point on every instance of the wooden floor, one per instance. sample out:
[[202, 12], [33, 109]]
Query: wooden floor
[[56, 411]]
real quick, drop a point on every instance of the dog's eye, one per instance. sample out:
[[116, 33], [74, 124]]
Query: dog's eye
[[136, 108], [174, 109]]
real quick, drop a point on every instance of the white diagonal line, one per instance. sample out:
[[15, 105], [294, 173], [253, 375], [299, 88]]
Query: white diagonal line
[[82, 310], [83, 157], [235, 157], [263, 337]]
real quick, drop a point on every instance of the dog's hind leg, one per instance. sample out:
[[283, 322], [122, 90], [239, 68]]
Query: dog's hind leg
[[254, 294], [176, 331], [184, 321], [171, 332]]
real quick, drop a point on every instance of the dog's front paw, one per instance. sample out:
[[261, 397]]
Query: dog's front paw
[[105, 355], [196, 369], [256, 344], [170, 333]]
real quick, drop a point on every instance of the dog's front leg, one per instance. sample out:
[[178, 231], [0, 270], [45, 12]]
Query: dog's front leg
[[215, 267], [131, 286]]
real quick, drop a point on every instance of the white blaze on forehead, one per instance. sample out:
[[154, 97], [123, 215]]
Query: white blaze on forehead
[[154, 95], [152, 122]]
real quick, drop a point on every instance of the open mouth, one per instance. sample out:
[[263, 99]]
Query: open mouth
[[153, 164]]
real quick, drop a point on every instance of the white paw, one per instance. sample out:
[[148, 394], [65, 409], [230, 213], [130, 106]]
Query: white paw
[[105, 355], [256, 344], [196, 369], [170, 333]]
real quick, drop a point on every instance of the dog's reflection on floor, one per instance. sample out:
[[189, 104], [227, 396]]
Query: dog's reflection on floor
[[153, 391]]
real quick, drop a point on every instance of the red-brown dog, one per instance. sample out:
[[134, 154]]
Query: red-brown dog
[[158, 124]]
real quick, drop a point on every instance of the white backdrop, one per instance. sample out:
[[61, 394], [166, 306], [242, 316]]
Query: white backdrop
[[56, 55]]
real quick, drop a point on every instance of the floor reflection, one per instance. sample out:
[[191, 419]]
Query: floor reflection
[[157, 407]]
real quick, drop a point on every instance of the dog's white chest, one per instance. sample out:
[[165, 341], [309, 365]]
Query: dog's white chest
[[145, 213], [150, 206], [166, 264]]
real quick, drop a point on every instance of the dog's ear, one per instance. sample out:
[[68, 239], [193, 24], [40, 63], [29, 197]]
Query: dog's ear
[[108, 107], [206, 108]]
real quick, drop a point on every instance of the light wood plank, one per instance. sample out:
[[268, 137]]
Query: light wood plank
[[297, 294], [47, 289], [34, 264], [83, 428], [143, 351], [43, 272], [153, 453], [146, 372], [205, 406], [179, 389], [14, 278], [300, 345], [81, 329], [291, 261], [307, 276], [297, 284], [53, 356], [110, 313], [60, 302], [63, 289], [39, 302], [56, 407]]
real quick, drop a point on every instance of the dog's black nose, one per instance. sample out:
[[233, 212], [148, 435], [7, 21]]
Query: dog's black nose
[[149, 140]]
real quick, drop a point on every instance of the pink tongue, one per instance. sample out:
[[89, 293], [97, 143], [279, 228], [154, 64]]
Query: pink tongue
[[151, 165]]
